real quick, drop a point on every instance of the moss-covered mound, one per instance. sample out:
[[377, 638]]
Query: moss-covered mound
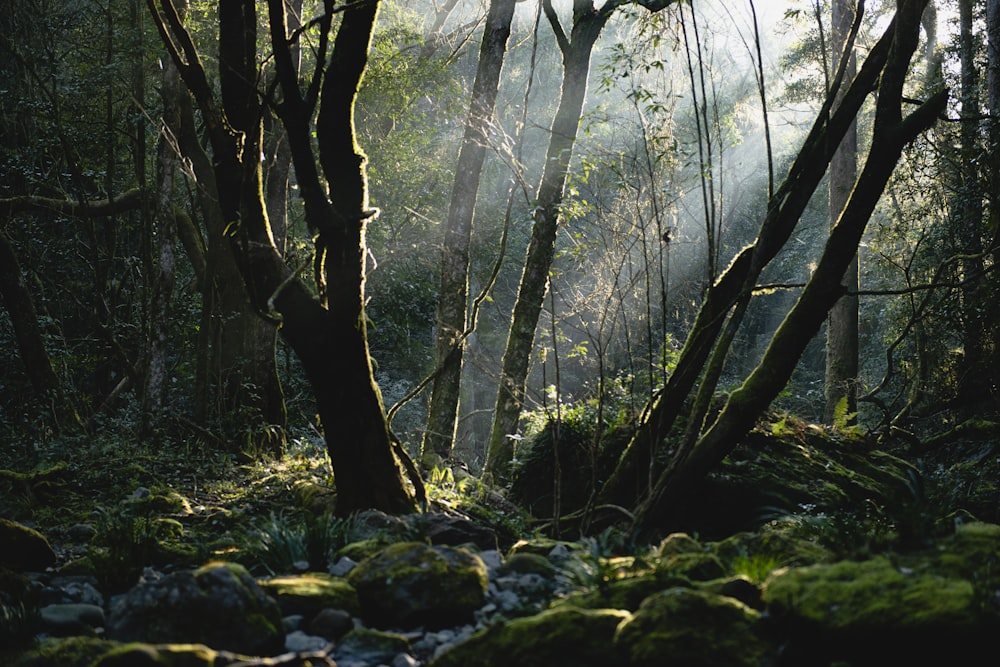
[[310, 593], [878, 609], [564, 636], [219, 605], [692, 628], [412, 583], [23, 548]]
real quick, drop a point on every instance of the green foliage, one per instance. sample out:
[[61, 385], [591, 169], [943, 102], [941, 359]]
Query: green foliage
[[295, 543], [18, 622], [755, 567], [129, 538]]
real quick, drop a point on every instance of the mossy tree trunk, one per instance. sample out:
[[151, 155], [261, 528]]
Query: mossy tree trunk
[[841, 381], [576, 49], [452, 308], [890, 135], [328, 332]]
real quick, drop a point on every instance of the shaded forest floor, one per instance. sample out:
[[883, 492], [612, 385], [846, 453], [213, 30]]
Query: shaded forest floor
[[115, 513]]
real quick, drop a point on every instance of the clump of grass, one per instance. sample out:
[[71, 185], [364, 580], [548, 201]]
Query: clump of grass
[[295, 543]]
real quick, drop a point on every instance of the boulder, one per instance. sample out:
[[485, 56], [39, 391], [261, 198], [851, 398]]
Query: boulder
[[219, 605], [23, 548], [308, 594], [877, 610], [680, 626], [412, 583], [64, 620], [371, 647], [562, 636], [441, 528]]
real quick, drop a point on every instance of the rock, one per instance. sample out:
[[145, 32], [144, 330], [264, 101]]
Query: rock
[[168, 655], [308, 594], [529, 563], [64, 620], [371, 646], [681, 626], [679, 543], [564, 636], [342, 567], [77, 588], [449, 530], [412, 583], [626, 593], [23, 548], [878, 610], [66, 652], [300, 642], [698, 566], [219, 605], [331, 624], [81, 532]]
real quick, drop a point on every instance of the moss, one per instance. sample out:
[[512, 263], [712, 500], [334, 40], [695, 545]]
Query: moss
[[562, 636], [627, 593], [310, 593], [23, 548], [168, 655], [68, 652], [692, 628], [358, 551], [373, 646], [529, 563], [414, 583], [163, 501], [541, 546], [869, 597]]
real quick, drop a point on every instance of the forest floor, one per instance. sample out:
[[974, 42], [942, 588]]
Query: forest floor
[[111, 512]]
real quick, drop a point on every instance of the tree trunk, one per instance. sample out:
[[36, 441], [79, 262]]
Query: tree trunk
[[974, 384], [890, 136], [154, 392], [452, 308], [576, 52], [993, 165], [635, 468], [842, 326], [329, 334]]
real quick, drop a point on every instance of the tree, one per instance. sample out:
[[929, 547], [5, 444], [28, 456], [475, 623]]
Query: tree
[[452, 315], [705, 442], [842, 326], [576, 49], [327, 328]]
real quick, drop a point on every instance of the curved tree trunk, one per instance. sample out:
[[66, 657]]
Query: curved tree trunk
[[328, 334], [891, 133]]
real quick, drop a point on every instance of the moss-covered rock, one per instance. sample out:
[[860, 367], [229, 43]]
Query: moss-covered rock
[[563, 636], [310, 593], [543, 546], [626, 593], [68, 652], [772, 545], [362, 549], [698, 566], [219, 605], [170, 655], [23, 548], [681, 626], [679, 543], [876, 609], [372, 647], [412, 583], [528, 563]]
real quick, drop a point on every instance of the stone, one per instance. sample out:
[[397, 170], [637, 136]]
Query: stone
[[219, 605], [331, 624], [412, 583], [24, 549], [679, 543], [680, 626], [877, 609], [300, 642], [371, 646], [309, 593], [562, 636], [454, 531], [64, 620]]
